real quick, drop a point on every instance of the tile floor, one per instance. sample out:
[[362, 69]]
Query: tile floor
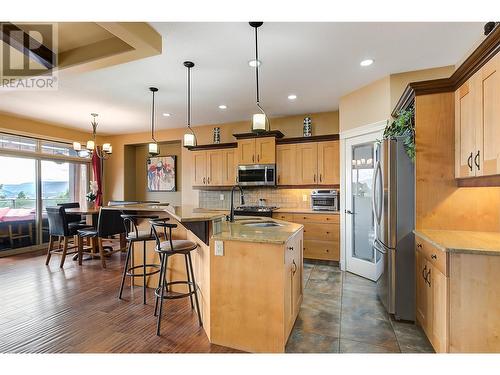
[[342, 314]]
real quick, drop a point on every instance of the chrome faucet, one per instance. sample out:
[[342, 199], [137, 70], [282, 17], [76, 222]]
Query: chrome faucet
[[242, 201]]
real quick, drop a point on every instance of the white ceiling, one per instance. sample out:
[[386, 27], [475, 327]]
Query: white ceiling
[[319, 62]]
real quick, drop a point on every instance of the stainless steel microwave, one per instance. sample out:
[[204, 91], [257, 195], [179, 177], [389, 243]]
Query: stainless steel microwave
[[257, 175], [325, 200]]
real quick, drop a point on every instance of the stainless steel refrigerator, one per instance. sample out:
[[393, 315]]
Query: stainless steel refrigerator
[[393, 205]]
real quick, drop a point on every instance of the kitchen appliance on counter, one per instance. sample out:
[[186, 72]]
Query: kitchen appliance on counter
[[266, 211], [257, 175], [324, 200], [393, 203]]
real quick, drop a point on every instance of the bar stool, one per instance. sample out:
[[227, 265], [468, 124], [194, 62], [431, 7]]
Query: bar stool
[[136, 235], [165, 249]]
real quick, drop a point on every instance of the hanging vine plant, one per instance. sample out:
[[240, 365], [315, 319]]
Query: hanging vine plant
[[403, 127]]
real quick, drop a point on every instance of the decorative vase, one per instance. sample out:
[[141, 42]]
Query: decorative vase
[[307, 127], [217, 135], [90, 204]]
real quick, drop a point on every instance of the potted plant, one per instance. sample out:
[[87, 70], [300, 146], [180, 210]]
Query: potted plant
[[92, 194], [403, 127]]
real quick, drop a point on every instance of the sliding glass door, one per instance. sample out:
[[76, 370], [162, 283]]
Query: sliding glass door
[[35, 174]]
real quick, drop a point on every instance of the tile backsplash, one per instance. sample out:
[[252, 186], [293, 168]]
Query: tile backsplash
[[283, 198]]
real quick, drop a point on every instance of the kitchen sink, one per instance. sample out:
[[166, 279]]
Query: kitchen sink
[[262, 224]]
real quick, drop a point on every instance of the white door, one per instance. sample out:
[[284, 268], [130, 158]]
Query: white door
[[360, 158]]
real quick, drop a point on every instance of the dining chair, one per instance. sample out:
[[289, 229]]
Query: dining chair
[[58, 227], [109, 224]]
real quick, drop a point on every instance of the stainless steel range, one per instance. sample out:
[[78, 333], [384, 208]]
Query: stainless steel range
[[266, 211]]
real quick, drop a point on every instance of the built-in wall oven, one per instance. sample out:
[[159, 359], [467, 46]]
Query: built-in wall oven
[[324, 200], [257, 175]]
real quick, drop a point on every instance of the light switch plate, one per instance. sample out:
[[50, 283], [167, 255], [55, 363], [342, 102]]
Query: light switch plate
[[219, 248], [304, 197], [221, 197]]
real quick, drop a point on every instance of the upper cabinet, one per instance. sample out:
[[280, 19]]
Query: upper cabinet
[[214, 167], [257, 150], [477, 123], [311, 163]]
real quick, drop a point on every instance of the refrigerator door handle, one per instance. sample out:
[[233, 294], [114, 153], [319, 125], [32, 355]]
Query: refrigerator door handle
[[377, 211], [379, 247]]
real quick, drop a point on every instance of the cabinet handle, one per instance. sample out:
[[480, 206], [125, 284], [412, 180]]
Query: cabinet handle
[[314, 178], [419, 245], [294, 269], [423, 273], [290, 248], [258, 157], [203, 180], [320, 178], [253, 159], [428, 278], [208, 180], [433, 256], [476, 161], [469, 161]]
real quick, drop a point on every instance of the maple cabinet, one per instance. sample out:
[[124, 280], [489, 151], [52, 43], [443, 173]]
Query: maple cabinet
[[293, 280], [214, 168], [309, 163], [477, 123], [285, 164], [257, 150]]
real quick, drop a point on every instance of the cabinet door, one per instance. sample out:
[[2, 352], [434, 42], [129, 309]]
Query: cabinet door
[[288, 292], [328, 163], [488, 133], [297, 270], [439, 310], [200, 168], [423, 293], [465, 130], [265, 150], [285, 164], [307, 163], [214, 168], [246, 151], [229, 167]]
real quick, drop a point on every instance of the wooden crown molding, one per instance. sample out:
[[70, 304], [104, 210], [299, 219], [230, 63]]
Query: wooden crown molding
[[270, 133], [314, 138], [214, 146], [481, 55]]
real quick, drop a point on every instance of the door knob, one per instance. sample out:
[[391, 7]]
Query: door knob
[[349, 212]]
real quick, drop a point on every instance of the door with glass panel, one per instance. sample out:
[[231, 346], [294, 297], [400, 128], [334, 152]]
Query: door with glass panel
[[35, 174], [361, 160]]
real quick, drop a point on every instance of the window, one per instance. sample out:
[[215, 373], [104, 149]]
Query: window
[[36, 174]]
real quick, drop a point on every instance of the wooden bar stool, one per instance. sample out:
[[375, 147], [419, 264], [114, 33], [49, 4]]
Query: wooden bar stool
[[136, 235], [165, 249]]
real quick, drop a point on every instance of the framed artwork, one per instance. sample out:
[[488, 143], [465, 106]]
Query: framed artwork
[[161, 173]]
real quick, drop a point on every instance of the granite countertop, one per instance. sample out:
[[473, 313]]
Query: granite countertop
[[237, 231], [183, 213], [305, 211], [453, 241]]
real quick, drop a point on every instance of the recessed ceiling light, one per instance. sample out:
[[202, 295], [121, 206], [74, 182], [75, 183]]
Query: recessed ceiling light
[[366, 62], [253, 63], [166, 114], [222, 106], [292, 97]]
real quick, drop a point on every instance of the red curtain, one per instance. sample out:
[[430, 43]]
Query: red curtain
[[96, 168]]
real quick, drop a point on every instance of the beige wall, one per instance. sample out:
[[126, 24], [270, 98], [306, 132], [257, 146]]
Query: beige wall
[[117, 185], [367, 105]]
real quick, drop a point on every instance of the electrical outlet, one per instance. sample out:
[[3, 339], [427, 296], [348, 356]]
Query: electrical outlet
[[221, 197], [219, 248], [304, 197]]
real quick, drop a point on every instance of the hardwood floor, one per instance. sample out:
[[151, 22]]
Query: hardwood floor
[[45, 309]]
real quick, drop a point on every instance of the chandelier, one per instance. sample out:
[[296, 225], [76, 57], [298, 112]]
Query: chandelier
[[102, 152]]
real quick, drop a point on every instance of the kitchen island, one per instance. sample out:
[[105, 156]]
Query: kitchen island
[[248, 273]]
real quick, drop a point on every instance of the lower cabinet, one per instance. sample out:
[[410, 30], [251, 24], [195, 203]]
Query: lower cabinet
[[432, 300], [321, 234]]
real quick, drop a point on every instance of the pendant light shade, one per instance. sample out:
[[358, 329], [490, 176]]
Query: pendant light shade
[[153, 148], [189, 136], [259, 120]]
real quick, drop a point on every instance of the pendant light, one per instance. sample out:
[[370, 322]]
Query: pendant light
[[153, 148], [189, 137], [260, 121]]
